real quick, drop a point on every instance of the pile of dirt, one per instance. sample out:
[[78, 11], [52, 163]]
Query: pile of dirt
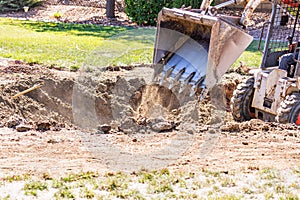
[[108, 101], [128, 101], [260, 126], [112, 99], [47, 107]]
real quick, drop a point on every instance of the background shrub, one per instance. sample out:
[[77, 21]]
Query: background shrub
[[193, 3], [15, 5], [144, 12]]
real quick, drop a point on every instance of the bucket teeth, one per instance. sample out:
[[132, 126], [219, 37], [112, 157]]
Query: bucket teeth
[[169, 71], [165, 75], [189, 78], [197, 84], [161, 80], [200, 81], [180, 73], [186, 82], [192, 92], [157, 70]]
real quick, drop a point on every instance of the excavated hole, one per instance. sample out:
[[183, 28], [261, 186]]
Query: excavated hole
[[99, 102]]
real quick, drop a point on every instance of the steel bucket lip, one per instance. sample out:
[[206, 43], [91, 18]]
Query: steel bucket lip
[[200, 18], [206, 20]]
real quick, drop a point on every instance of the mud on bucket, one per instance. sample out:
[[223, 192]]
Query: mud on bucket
[[195, 50]]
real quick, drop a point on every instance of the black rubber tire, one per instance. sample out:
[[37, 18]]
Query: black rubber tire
[[241, 101], [289, 110]]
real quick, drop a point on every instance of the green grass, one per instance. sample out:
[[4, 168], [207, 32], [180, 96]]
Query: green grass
[[158, 184], [74, 45], [32, 187], [251, 56]]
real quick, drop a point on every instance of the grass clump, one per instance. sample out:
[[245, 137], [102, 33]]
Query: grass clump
[[80, 176], [57, 183], [289, 197], [17, 178], [64, 192], [5, 198], [32, 187], [87, 193], [228, 197], [113, 182], [228, 182], [129, 194], [269, 174], [162, 182]]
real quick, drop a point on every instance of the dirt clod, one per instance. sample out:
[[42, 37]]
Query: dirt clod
[[105, 128], [23, 128], [162, 126], [43, 126]]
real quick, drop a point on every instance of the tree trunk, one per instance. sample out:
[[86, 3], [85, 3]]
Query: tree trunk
[[110, 8]]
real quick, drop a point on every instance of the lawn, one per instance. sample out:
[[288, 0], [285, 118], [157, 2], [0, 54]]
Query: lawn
[[252, 57], [75, 45], [71, 45]]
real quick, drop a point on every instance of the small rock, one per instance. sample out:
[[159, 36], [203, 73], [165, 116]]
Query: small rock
[[23, 128], [162, 126], [43, 126], [52, 141], [155, 120], [245, 143], [212, 131], [105, 128], [128, 126], [231, 127], [190, 131], [203, 128]]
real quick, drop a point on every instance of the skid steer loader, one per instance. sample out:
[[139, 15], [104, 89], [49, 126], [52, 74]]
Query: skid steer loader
[[273, 94], [194, 48]]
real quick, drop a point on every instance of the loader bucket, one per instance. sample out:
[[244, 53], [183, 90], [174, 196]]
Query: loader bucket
[[195, 50]]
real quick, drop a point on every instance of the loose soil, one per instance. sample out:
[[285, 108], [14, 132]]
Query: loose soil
[[115, 118]]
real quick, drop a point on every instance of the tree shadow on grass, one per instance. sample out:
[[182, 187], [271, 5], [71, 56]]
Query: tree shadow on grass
[[74, 29], [144, 35]]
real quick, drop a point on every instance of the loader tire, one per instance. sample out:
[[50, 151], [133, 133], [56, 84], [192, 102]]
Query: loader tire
[[289, 110], [241, 101]]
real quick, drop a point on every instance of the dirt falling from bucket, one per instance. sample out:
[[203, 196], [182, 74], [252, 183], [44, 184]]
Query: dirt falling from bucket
[[155, 102]]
